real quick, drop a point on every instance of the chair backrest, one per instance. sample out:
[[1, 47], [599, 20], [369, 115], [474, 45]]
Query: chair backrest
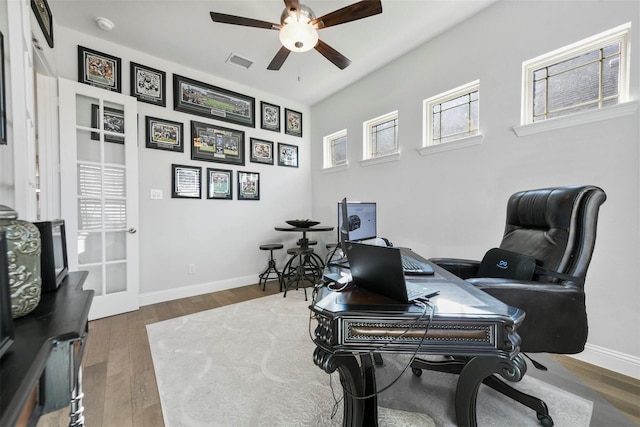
[[556, 225]]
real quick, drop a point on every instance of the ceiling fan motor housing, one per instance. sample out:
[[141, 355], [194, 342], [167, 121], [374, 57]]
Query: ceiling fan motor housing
[[297, 34]]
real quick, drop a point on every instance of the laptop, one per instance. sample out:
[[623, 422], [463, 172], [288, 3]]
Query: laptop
[[379, 269]]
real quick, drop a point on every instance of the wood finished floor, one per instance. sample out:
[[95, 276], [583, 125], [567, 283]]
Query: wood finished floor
[[120, 386]]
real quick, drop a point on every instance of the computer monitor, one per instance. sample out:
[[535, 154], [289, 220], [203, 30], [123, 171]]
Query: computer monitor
[[360, 220]]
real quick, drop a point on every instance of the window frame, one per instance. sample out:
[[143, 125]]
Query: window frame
[[367, 148], [427, 117], [597, 41], [327, 143]]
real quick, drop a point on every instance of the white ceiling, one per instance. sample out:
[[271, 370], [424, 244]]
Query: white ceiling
[[181, 31]]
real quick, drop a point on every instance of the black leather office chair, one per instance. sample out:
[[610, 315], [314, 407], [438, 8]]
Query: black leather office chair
[[557, 226]]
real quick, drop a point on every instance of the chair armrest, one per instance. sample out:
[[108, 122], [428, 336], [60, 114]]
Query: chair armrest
[[556, 318], [463, 268]]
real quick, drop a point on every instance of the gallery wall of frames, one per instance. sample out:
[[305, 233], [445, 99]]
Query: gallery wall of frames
[[206, 141]]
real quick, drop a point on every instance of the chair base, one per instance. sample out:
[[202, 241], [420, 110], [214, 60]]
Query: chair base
[[455, 366], [267, 275], [308, 268]]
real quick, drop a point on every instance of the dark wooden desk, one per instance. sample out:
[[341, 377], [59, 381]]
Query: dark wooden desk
[[36, 374], [464, 322]]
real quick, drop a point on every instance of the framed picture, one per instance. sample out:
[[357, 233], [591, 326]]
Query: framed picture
[[3, 105], [99, 69], [213, 143], [219, 184], [269, 116], [43, 16], [113, 121], [185, 182], [261, 151], [293, 122], [164, 134], [287, 155], [148, 84], [248, 186], [191, 96]]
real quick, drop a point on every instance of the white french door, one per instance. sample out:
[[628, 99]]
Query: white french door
[[99, 193]]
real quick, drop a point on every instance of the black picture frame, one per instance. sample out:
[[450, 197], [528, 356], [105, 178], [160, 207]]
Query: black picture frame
[[287, 155], [43, 15], [99, 69], [202, 99], [186, 182], [3, 105], [113, 121], [7, 334], [269, 116], [162, 134], [213, 143], [219, 184], [261, 151], [148, 84], [248, 185], [293, 122]]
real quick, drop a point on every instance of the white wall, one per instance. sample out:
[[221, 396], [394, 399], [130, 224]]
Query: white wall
[[453, 203], [221, 237]]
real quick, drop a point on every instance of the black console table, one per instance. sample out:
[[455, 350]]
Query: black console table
[[41, 371]]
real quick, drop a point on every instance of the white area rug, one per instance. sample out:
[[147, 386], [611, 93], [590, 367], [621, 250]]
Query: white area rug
[[250, 364]]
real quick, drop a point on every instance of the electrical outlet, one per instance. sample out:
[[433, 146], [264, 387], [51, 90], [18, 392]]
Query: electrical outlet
[[192, 269], [156, 194]]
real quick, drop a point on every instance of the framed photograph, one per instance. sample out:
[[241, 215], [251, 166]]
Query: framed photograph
[[148, 84], [164, 134], [202, 99], [287, 155], [293, 122], [261, 151], [219, 184], [213, 143], [269, 116], [99, 69], [113, 121], [248, 186], [3, 105], [185, 182], [45, 20]]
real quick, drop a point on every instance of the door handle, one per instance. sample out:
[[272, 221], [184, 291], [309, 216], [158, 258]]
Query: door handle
[[132, 230]]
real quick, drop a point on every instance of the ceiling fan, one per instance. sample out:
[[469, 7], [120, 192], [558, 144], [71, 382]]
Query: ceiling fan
[[298, 28]]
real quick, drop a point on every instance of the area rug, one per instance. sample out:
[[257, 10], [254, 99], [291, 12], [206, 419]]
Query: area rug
[[250, 364]]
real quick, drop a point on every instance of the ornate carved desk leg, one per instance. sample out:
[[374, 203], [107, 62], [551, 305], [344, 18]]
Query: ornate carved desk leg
[[472, 375], [356, 382]]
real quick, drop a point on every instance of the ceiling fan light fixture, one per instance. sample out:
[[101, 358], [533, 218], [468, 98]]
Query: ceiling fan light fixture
[[298, 36]]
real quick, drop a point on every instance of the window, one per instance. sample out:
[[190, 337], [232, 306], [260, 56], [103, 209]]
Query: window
[[381, 136], [587, 75], [452, 115], [335, 149]]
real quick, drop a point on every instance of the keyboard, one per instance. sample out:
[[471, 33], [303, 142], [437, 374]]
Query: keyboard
[[411, 266]]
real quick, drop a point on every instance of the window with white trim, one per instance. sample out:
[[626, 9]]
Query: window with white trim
[[452, 115], [587, 75], [381, 136], [335, 149]]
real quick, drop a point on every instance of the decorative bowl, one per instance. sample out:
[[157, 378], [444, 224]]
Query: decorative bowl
[[302, 223]]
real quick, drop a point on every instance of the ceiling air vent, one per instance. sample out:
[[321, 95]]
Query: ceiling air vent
[[239, 61]]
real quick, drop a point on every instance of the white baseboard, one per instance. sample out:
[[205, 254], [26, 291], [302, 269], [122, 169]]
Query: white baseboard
[[622, 363], [194, 290]]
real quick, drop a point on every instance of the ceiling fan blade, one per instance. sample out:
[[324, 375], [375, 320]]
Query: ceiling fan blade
[[292, 4], [279, 59], [338, 59], [362, 9], [239, 20]]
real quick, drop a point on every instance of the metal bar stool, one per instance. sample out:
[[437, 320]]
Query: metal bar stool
[[300, 267], [271, 265]]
